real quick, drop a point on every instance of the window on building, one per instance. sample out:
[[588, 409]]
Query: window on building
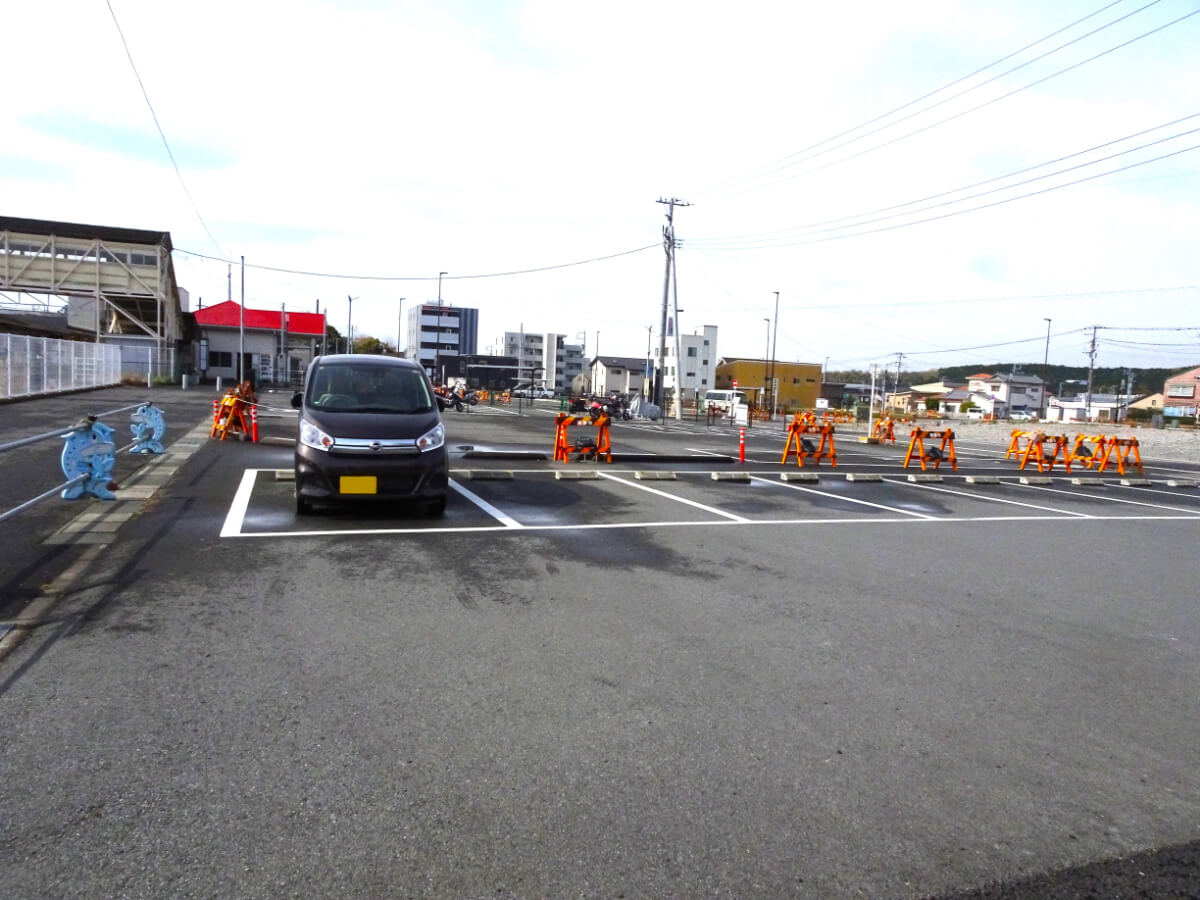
[[1180, 390], [220, 359], [692, 351]]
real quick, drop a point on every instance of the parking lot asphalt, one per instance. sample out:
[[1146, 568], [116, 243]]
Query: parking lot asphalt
[[645, 677]]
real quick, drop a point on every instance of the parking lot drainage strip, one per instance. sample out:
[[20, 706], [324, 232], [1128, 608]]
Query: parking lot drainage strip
[[741, 477], [576, 475], [936, 479], [1036, 479], [803, 477], [485, 474], [982, 479], [863, 476], [651, 475]]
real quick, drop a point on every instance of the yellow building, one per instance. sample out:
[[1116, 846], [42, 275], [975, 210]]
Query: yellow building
[[792, 385]]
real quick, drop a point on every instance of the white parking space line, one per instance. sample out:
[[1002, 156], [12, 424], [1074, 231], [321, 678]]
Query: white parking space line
[[241, 501], [706, 523], [980, 495], [1038, 487], [1149, 490], [684, 500], [506, 520], [833, 496]]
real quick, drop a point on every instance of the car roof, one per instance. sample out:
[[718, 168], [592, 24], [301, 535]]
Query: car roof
[[365, 358]]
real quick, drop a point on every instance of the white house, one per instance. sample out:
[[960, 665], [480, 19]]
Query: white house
[[1015, 391], [695, 369], [617, 373]]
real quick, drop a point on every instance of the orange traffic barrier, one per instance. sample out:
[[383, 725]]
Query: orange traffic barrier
[[1035, 451], [936, 455], [884, 430], [804, 424], [254, 422], [1122, 447], [1014, 446], [584, 447], [1088, 449], [231, 417]]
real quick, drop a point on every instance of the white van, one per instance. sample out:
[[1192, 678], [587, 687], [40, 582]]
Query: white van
[[723, 400]]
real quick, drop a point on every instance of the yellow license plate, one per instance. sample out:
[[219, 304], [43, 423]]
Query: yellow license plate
[[357, 484]]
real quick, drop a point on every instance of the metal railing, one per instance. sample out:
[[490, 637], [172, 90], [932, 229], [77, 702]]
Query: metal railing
[[48, 435], [30, 365]]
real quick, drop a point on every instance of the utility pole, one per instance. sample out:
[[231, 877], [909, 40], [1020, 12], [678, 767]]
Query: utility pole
[[349, 318], [669, 249], [679, 366], [1087, 400]]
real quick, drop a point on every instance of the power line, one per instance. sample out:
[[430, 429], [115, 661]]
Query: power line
[[969, 90], [980, 106], [817, 226], [948, 215], [932, 93], [352, 277], [161, 133]]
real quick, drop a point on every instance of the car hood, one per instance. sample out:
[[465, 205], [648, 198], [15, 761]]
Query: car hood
[[372, 426]]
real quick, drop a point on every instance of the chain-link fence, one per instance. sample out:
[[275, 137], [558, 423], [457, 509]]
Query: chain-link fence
[[39, 365]]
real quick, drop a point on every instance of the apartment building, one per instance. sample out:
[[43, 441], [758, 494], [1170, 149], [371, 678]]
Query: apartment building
[[545, 359], [436, 333]]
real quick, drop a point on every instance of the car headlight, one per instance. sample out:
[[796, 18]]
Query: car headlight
[[312, 436], [432, 439]]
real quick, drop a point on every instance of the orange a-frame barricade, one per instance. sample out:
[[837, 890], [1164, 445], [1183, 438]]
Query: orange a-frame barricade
[[230, 418], [1087, 450], [801, 446], [600, 447], [884, 430], [1035, 451], [943, 452], [1121, 448], [1014, 446]]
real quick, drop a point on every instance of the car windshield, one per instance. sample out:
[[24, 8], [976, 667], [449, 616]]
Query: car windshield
[[366, 387]]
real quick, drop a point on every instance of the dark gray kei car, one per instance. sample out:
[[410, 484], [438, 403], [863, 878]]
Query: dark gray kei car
[[370, 430]]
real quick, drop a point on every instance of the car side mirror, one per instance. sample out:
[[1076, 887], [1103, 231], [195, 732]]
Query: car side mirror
[[297, 400]]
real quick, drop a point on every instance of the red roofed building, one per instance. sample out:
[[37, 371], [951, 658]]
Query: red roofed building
[[278, 345]]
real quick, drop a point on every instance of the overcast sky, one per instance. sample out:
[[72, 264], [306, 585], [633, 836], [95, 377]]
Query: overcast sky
[[401, 139]]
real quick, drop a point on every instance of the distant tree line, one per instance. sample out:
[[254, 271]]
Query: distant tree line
[[1105, 379]]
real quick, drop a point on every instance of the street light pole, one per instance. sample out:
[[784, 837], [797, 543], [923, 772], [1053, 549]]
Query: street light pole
[[349, 318], [1046, 369], [437, 333], [774, 339], [400, 326], [766, 364]]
